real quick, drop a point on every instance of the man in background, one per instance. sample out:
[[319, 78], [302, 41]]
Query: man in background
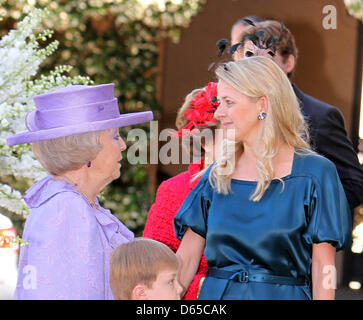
[[240, 25]]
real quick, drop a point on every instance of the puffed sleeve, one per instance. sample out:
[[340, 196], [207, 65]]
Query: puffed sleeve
[[64, 258], [329, 213], [193, 212]]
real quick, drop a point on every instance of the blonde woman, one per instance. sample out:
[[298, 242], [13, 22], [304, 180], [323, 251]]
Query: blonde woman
[[270, 227], [198, 106], [328, 136]]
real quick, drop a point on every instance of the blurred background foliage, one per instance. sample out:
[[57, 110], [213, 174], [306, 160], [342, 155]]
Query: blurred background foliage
[[113, 41]]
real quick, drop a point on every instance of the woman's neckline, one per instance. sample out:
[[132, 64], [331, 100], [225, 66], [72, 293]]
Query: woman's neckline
[[254, 182], [96, 206]]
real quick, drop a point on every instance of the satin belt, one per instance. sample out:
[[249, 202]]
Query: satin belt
[[244, 277]]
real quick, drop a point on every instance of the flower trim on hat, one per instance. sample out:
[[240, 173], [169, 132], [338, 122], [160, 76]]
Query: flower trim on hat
[[201, 111]]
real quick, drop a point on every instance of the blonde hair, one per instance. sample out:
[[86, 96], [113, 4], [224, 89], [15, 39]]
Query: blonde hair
[[63, 154], [138, 262], [257, 77], [181, 120]]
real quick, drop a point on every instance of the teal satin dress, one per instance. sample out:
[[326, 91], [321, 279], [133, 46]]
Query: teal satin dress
[[263, 250]]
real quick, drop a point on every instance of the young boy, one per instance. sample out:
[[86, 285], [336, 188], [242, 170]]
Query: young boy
[[144, 269]]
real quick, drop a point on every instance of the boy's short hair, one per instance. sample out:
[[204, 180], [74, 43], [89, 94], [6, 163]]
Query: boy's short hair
[[138, 262]]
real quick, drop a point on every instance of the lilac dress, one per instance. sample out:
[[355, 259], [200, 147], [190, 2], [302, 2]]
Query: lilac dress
[[69, 245]]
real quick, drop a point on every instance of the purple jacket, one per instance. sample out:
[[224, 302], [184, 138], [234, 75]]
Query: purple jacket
[[69, 245]]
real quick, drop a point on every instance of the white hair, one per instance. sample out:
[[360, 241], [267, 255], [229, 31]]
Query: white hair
[[63, 154]]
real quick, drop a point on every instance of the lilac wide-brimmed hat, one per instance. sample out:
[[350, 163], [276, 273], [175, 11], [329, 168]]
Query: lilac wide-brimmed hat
[[73, 110]]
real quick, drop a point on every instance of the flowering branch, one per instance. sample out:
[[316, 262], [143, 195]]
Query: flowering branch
[[20, 58], [355, 8]]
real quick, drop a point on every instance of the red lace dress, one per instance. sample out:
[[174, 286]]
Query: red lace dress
[[159, 224]]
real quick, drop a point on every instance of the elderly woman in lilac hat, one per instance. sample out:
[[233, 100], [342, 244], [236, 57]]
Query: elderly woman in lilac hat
[[74, 134]]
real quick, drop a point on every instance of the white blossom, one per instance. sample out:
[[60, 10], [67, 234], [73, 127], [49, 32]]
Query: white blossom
[[20, 59], [355, 8]]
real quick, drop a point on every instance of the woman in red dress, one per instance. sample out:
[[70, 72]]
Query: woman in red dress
[[196, 114]]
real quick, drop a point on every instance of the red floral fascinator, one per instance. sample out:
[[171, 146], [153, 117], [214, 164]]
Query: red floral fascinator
[[201, 111]]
